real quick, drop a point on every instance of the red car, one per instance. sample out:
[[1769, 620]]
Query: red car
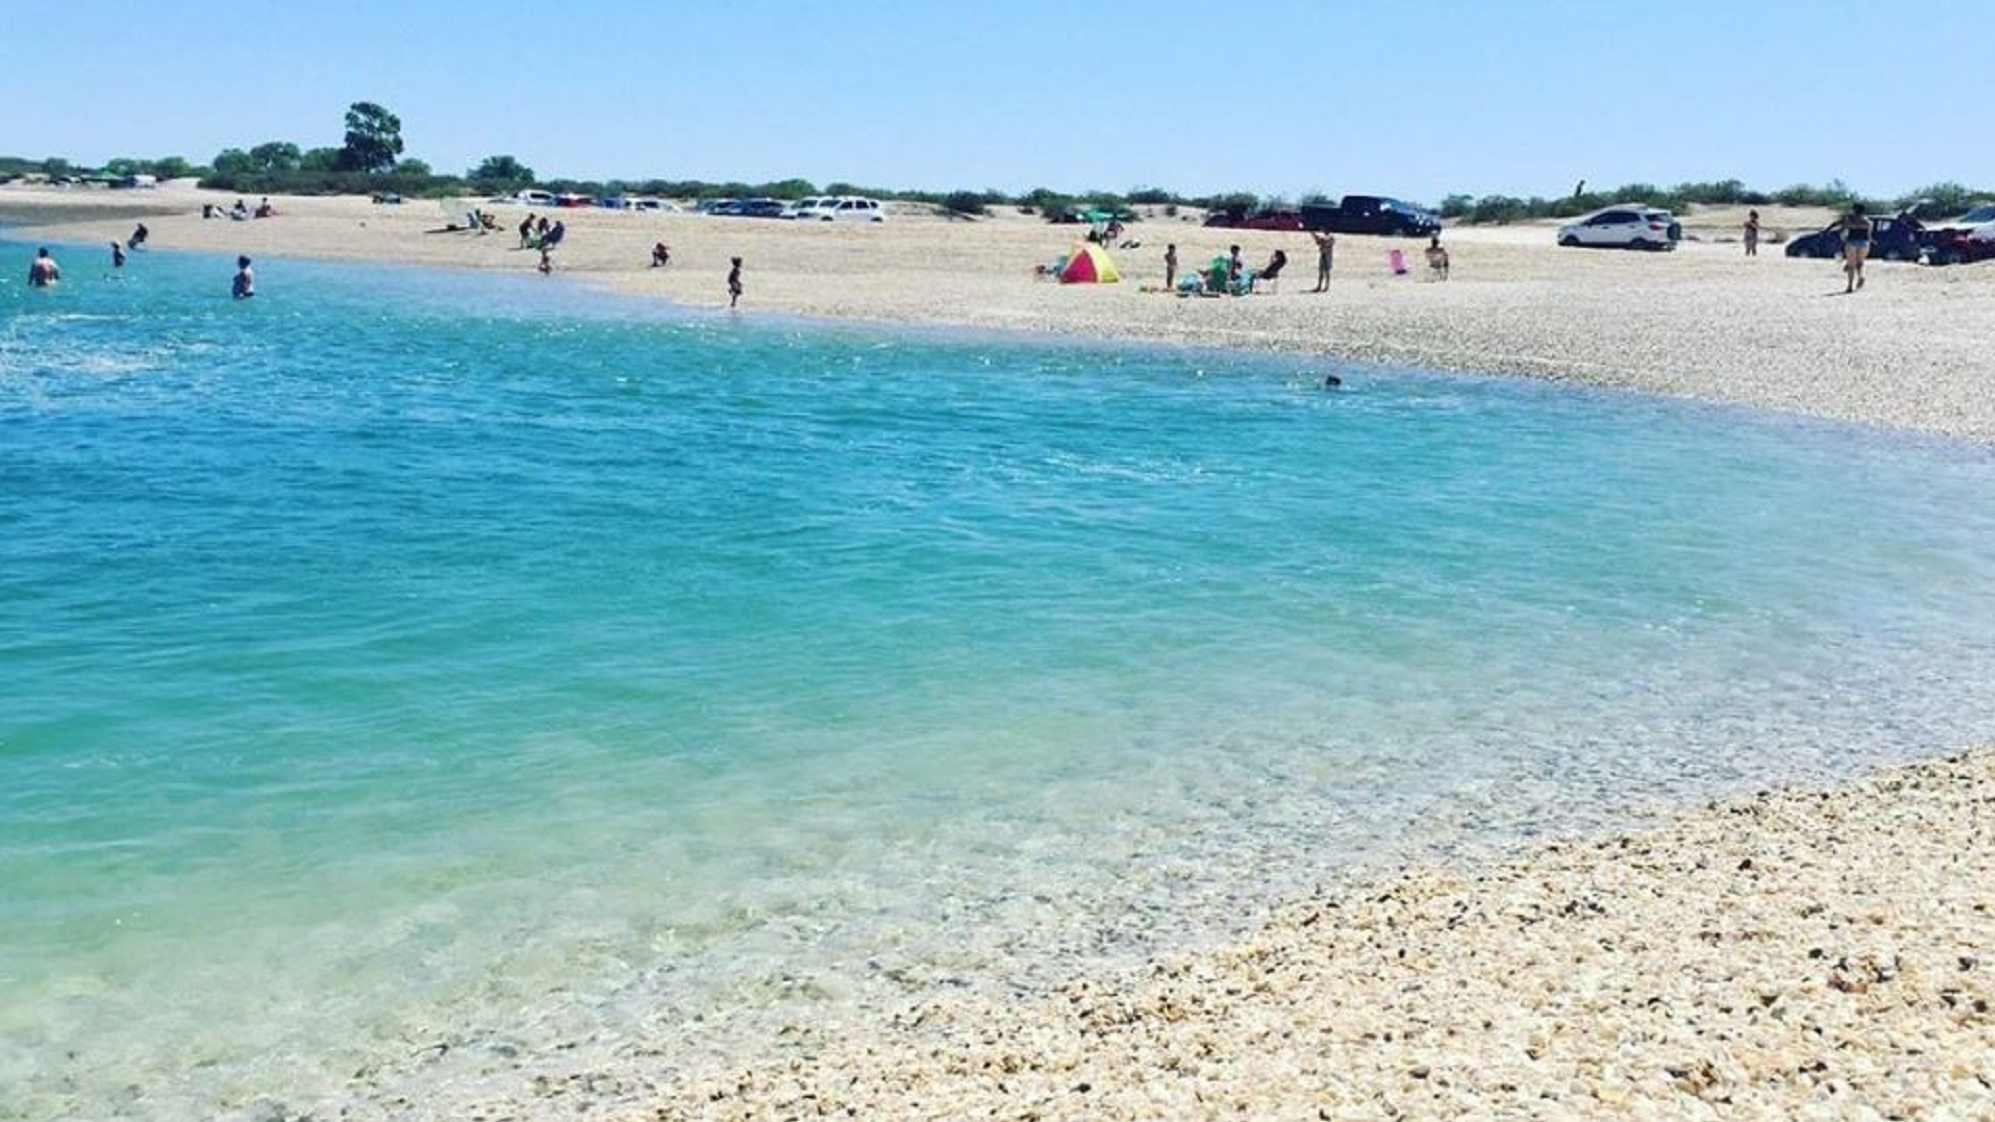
[[1240, 219], [1956, 247]]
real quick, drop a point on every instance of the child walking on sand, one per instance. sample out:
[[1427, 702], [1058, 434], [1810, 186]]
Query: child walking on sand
[[734, 282]]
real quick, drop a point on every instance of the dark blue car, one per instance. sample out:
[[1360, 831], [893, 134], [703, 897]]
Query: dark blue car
[[1891, 239]]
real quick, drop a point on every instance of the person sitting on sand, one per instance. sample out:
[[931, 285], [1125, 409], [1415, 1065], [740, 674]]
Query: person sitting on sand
[[264, 209], [1326, 248], [1750, 233], [734, 282], [1170, 267], [240, 212], [117, 256], [245, 282], [1437, 258], [43, 272], [1233, 267], [139, 235], [1856, 246], [661, 255]]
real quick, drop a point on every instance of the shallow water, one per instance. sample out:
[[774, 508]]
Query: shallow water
[[410, 659]]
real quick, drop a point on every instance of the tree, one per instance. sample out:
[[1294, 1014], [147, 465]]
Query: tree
[[172, 167], [275, 155], [319, 159], [413, 167], [233, 161], [499, 173], [373, 138]]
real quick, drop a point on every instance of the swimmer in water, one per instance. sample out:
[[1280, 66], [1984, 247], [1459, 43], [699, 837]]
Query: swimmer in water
[[44, 271], [117, 256], [1331, 381], [245, 283]]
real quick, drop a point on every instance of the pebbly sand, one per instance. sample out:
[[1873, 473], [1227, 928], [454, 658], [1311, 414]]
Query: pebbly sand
[[1800, 954], [1804, 954]]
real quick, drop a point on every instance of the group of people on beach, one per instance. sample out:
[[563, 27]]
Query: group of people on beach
[[240, 212], [1230, 276]]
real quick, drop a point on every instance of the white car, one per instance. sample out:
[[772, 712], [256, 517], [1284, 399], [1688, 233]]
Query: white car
[[534, 198], [840, 208], [1624, 227], [804, 207], [643, 204]]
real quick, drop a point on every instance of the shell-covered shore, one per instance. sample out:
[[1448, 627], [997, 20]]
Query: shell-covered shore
[[1812, 954]]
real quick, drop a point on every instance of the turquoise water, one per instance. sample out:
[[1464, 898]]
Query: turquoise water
[[411, 682]]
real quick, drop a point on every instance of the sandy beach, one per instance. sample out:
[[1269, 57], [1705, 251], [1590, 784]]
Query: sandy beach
[[1913, 351], [1814, 954], [1796, 955]]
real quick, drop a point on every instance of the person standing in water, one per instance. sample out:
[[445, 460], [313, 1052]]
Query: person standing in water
[[139, 235], [1856, 246], [1326, 248], [117, 256], [245, 282], [1751, 233], [44, 271], [734, 282]]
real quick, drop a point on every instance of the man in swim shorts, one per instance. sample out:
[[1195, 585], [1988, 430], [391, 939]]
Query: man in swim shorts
[[1326, 249], [245, 282], [44, 271], [1856, 246]]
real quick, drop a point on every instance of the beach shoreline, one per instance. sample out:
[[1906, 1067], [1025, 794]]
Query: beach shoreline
[[1809, 952], [1912, 352], [1506, 986]]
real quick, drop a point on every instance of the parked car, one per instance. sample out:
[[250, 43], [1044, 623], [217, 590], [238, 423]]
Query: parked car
[[748, 208], [1240, 218], [849, 208], [534, 198], [573, 200], [710, 206], [1624, 227], [803, 208], [1371, 214], [640, 203], [1893, 238]]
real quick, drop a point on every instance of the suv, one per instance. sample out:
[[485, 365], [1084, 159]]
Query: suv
[[852, 209], [1625, 227], [805, 208]]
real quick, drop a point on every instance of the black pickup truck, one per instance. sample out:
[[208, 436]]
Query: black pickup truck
[[1371, 214]]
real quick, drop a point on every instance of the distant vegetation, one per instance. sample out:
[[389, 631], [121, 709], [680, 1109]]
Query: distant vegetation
[[1941, 199], [370, 160]]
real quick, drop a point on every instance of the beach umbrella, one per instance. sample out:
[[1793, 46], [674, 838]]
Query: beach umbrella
[[1090, 264]]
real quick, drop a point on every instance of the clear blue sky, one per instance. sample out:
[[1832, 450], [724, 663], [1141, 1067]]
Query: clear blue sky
[[1281, 97]]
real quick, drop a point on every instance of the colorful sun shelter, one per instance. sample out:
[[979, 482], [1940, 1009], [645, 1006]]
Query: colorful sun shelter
[[1089, 264]]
